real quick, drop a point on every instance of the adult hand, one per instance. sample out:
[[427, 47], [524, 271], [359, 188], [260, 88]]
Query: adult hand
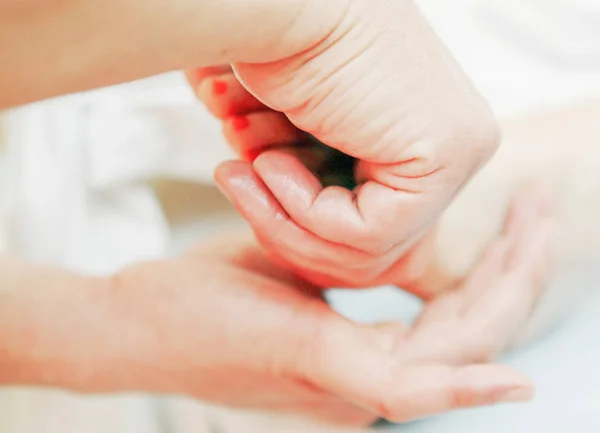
[[232, 328], [223, 324], [381, 88]]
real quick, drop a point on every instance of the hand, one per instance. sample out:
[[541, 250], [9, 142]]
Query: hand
[[382, 89], [234, 329]]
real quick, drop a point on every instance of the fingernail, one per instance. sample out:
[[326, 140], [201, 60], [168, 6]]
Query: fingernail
[[239, 123], [219, 87], [517, 395], [251, 154]]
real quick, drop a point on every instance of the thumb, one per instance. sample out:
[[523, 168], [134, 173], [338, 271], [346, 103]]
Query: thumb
[[363, 366]]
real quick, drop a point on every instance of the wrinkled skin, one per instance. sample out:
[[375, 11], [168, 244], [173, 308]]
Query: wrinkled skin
[[244, 332], [381, 88]]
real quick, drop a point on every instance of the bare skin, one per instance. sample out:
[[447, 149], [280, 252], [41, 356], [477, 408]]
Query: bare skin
[[223, 324], [367, 77], [162, 326], [56, 47], [557, 147], [333, 236]]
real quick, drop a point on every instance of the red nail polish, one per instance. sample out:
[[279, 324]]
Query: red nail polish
[[219, 87], [251, 154], [239, 123]]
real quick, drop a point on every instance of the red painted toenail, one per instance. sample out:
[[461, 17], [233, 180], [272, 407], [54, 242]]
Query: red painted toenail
[[239, 123], [219, 87]]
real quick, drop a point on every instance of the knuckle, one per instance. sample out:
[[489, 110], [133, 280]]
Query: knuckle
[[488, 138], [481, 133], [483, 350], [483, 355], [384, 408], [384, 402], [475, 134], [459, 398], [460, 395]]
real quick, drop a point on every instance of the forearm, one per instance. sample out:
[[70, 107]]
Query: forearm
[[63, 46], [58, 329]]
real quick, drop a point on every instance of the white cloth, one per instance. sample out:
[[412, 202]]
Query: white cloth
[[524, 54], [81, 167]]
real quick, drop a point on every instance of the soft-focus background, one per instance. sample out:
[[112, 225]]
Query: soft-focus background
[[96, 181]]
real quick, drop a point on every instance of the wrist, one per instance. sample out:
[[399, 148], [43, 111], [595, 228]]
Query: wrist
[[45, 317], [95, 44], [59, 329], [286, 28]]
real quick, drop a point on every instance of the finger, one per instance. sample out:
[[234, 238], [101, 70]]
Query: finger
[[279, 234], [487, 271], [527, 210], [535, 257], [302, 196], [337, 214], [197, 75], [313, 157], [431, 390], [273, 227], [455, 303], [251, 134], [510, 301], [532, 208], [353, 363], [503, 300], [456, 330], [485, 312], [527, 232], [225, 96]]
